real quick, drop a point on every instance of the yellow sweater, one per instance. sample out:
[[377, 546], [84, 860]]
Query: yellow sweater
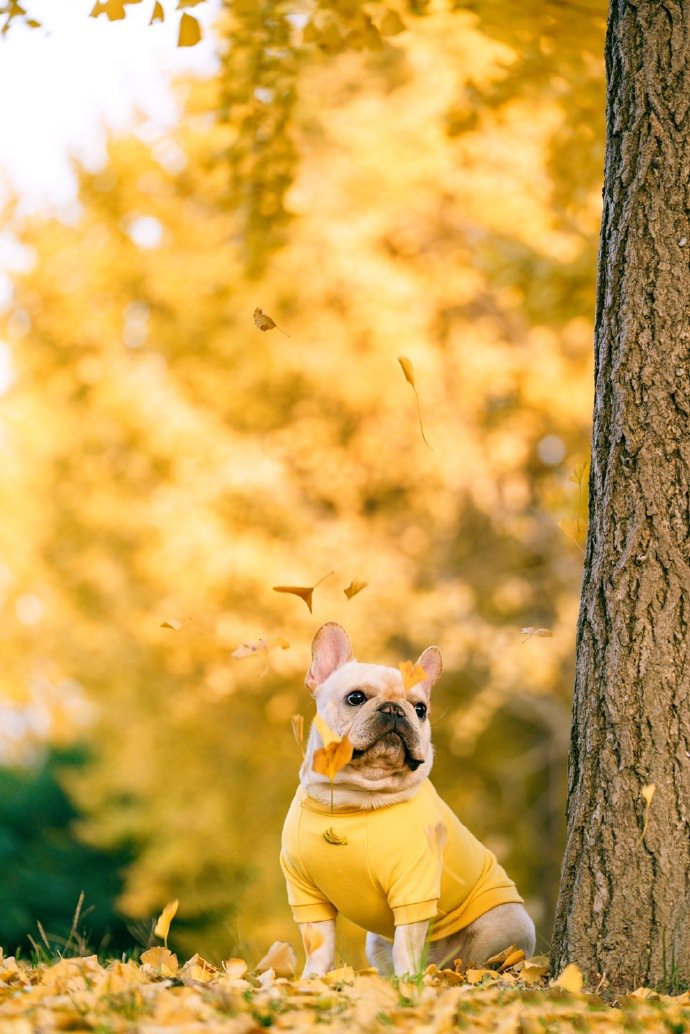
[[391, 868]]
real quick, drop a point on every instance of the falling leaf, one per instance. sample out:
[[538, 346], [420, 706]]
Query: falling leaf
[[571, 979], [181, 4], [162, 960], [391, 23], [535, 969], [540, 633], [573, 530], [158, 13], [162, 927], [325, 732], [475, 976], [412, 674], [281, 958], [114, 9], [304, 593], [329, 760], [172, 623], [408, 371], [260, 646], [312, 938], [264, 322], [190, 31], [354, 587], [297, 721]]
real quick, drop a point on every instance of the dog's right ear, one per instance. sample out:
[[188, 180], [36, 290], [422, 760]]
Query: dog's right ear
[[330, 650]]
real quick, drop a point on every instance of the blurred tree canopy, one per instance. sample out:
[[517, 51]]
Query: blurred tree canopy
[[167, 463]]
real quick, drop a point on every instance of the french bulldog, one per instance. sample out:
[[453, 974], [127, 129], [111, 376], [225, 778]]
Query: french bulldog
[[377, 843]]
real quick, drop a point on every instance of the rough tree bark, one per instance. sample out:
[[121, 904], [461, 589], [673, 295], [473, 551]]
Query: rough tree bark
[[624, 905]]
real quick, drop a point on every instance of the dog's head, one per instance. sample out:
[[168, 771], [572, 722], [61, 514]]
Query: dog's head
[[387, 725]]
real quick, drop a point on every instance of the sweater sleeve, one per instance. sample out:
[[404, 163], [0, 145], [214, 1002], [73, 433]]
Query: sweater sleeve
[[308, 904], [414, 884]]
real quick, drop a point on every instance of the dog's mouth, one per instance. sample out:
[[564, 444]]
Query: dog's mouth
[[411, 761]]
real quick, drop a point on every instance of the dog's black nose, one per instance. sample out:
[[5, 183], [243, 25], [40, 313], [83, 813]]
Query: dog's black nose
[[389, 707]]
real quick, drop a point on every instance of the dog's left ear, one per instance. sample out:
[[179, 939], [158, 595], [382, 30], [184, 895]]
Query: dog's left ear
[[432, 663]]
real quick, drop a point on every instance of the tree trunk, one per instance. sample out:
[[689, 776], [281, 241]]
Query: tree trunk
[[624, 906]]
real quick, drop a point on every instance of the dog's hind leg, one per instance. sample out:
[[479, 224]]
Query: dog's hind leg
[[380, 953]]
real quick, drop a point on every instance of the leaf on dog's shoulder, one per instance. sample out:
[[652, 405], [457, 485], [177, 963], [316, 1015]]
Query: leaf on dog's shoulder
[[412, 674], [304, 592], [540, 633], [281, 958], [355, 586]]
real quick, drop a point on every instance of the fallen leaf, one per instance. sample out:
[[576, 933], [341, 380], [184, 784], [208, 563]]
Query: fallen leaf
[[412, 674], [264, 322], [354, 587], [190, 31], [475, 976], [158, 13], [304, 593], [162, 960], [162, 927], [570, 979], [198, 969], [506, 958], [532, 973], [409, 989], [343, 975], [281, 958], [235, 968], [391, 23], [408, 371]]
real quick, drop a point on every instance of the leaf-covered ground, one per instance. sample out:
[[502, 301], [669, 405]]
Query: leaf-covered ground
[[158, 994]]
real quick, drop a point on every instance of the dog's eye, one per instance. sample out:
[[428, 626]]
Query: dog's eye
[[355, 698], [421, 710]]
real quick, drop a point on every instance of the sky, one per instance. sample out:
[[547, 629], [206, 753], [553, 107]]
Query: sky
[[67, 82]]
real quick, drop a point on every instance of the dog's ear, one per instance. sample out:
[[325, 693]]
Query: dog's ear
[[432, 663], [329, 651]]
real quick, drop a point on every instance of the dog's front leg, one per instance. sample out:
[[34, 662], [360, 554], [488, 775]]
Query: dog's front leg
[[408, 945], [319, 947]]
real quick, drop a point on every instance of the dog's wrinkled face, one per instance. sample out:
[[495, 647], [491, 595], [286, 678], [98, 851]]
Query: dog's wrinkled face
[[388, 726]]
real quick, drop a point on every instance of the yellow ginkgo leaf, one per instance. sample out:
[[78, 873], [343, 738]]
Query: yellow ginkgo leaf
[[408, 371], [162, 960], [260, 646], [190, 31], [647, 792], [281, 958], [355, 586], [327, 734], [235, 968], [312, 939], [172, 623], [158, 13], [540, 633], [391, 23], [412, 674], [297, 721], [162, 927], [181, 4], [329, 760], [114, 9], [331, 837], [570, 979], [264, 322], [305, 593]]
